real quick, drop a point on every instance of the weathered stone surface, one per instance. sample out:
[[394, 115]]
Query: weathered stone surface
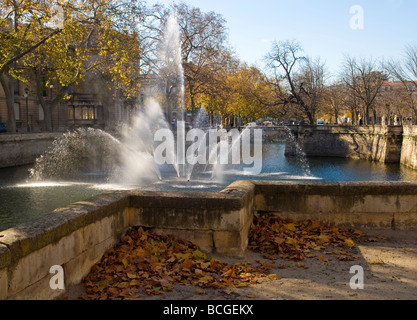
[[201, 238], [21, 149], [368, 204], [375, 143], [4, 283], [77, 236], [4, 255], [34, 235], [183, 200], [409, 147]]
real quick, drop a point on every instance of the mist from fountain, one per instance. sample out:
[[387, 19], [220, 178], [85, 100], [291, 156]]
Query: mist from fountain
[[170, 58], [298, 152], [129, 159]]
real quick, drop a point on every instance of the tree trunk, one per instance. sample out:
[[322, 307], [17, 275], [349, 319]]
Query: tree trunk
[[8, 88], [414, 115], [47, 112]]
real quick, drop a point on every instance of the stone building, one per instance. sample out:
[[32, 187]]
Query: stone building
[[90, 105]]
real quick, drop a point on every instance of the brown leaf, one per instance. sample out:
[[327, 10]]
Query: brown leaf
[[200, 291], [273, 276], [187, 264], [315, 224]]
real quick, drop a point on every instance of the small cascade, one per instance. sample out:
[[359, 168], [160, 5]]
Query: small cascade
[[294, 149]]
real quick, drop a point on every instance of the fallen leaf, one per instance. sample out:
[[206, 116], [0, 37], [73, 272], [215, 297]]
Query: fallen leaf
[[291, 241], [359, 233], [292, 227], [187, 264], [200, 291], [272, 276], [199, 254], [345, 258], [349, 243], [315, 224], [279, 240], [228, 290], [241, 285], [302, 265], [131, 275]]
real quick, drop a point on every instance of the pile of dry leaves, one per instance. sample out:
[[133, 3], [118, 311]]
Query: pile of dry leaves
[[144, 262], [271, 235]]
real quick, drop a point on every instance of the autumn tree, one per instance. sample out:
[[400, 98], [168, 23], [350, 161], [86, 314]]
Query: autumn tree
[[23, 28], [99, 38], [253, 94], [364, 81], [218, 91], [310, 81], [203, 38], [405, 71], [393, 101], [335, 100], [298, 79]]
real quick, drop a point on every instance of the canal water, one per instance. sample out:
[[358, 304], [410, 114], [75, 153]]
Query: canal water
[[22, 200]]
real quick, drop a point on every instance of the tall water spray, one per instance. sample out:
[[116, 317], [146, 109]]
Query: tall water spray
[[170, 61], [131, 157], [172, 73], [139, 138]]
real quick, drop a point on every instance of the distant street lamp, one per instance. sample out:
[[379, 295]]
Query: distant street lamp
[[27, 109]]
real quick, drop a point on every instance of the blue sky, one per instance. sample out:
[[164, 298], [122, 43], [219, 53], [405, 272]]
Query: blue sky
[[323, 27]]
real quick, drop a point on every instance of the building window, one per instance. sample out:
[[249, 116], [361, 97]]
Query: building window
[[82, 112], [16, 87], [17, 111]]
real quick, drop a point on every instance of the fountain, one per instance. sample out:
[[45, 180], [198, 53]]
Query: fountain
[[146, 150], [148, 154], [145, 154]]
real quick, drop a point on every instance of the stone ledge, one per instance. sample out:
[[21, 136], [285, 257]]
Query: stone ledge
[[336, 188], [360, 204], [29, 237], [77, 236]]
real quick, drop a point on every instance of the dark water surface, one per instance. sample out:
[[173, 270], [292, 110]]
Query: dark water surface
[[22, 200]]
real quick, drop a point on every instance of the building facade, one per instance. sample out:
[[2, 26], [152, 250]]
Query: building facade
[[86, 107]]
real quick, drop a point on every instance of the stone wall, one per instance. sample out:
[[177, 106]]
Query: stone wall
[[375, 143], [77, 236], [214, 221], [22, 149], [74, 237], [376, 205], [409, 147]]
